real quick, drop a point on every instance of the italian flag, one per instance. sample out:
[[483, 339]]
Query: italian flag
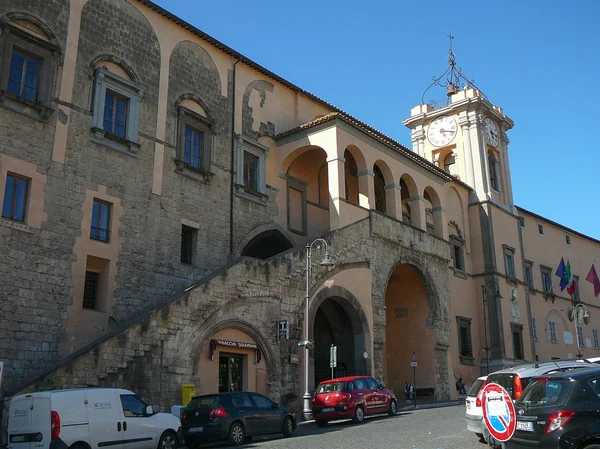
[[570, 279]]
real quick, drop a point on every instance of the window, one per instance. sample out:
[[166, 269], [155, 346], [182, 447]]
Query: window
[[465, 344], [29, 62], [547, 279], [449, 163], [568, 239], [24, 74], [115, 114], [16, 190], [360, 384], [261, 401], [133, 407], [100, 229], [595, 334], [529, 274], [580, 336], [509, 262], [517, 332], [552, 326], [116, 108], [494, 171], [534, 329], [194, 152], [540, 229], [576, 296], [251, 171], [522, 221], [372, 383], [458, 257], [241, 400], [90, 292], [188, 244]]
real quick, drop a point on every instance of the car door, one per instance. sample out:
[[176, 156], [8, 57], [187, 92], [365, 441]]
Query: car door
[[246, 410], [105, 418], [375, 400], [361, 390], [270, 416], [139, 429]]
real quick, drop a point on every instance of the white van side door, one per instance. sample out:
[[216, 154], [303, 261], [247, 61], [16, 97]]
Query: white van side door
[[104, 416], [139, 429]]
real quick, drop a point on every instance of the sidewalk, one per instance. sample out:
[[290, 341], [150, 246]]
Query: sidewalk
[[407, 405]]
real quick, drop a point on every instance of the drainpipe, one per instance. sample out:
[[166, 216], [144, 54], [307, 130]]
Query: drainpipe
[[232, 187]]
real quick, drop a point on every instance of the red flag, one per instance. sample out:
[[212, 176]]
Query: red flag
[[593, 278]]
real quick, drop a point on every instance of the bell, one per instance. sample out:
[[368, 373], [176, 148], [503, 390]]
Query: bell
[[451, 90]]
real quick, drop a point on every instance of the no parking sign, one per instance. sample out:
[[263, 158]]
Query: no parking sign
[[498, 412]]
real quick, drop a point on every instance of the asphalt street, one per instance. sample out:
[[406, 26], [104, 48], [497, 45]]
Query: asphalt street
[[439, 428]]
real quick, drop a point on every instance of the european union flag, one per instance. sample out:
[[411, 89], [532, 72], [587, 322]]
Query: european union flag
[[561, 272]]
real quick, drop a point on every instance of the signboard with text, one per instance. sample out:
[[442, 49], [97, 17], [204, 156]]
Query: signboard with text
[[498, 412]]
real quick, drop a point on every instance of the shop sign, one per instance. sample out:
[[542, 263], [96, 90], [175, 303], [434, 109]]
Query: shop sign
[[294, 358], [234, 344]]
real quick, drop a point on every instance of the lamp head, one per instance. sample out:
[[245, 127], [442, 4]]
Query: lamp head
[[327, 262], [498, 294]]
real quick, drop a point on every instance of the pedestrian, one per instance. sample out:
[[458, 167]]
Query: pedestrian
[[406, 389], [411, 391], [460, 386]]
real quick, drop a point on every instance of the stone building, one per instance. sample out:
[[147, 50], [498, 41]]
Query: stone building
[[158, 190]]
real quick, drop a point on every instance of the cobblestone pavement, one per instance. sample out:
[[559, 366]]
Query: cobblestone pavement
[[440, 428]]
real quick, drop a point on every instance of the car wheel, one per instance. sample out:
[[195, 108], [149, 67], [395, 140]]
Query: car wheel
[[236, 434], [168, 440], [288, 427], [359, 414], [321, 423], [393, 408]]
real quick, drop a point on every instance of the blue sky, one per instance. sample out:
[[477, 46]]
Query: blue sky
[[539, 60]]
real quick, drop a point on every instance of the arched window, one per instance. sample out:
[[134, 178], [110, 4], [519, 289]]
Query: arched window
[[494, 168], [405, 195], [195, 131], [379, 190], [351, 178], [450, 164]]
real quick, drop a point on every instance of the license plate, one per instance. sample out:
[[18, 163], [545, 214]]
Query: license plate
[[325, 410], [525, 425], [195, 429], [18, 438]]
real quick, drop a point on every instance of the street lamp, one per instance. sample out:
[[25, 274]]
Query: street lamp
[[498, 296], [327, 262], [577, 314]]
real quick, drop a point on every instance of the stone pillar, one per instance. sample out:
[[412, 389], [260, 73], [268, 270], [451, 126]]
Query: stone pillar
[[337, 187], [418, 140], [480, 160], [439, 218], [366, 189], [468, 151], [393, 201], [508, 193], [417, 212]]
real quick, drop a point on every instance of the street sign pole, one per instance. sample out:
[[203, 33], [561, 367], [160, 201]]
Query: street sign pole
[[413, 363], [332, 358]]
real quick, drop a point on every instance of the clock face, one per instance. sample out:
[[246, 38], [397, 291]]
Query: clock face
[[491, 132], [442, 131]]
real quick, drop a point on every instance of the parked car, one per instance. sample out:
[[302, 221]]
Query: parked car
[[95, 417], [473, 410], [559, 411], [235, 417], [515, 379], [352, 397]]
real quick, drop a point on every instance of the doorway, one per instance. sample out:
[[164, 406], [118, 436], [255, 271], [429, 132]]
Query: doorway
[[231, 373]]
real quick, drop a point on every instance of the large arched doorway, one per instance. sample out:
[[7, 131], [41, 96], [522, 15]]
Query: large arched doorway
[[338, 322], [267, 244], [409, 317]]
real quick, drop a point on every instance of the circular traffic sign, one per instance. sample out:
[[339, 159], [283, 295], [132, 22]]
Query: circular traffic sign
[[413, 357], [365, 355], [498, 412]]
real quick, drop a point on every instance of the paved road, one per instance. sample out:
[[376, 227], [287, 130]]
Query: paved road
[[441, 428]]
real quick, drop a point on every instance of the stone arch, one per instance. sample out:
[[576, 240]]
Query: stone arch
[[433, 211], [26, 17], [202, 340], [359, 157], [554, 313], [265, 231], [195, 99], [408, 193], [117, 61], [191, 51]]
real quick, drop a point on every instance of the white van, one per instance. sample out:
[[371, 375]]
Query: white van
[[89, 418]]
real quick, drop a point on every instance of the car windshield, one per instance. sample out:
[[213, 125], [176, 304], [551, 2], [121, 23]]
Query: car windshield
[[204, 401], [475, 387], [331, 387], [545, 392]]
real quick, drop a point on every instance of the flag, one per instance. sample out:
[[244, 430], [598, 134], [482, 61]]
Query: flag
[[570, 279], [593, 278], [561, 272]]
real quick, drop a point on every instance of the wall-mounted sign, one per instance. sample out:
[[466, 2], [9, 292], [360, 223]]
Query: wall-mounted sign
[[283, 330], [234, 344], [401, 312], [294, 358]]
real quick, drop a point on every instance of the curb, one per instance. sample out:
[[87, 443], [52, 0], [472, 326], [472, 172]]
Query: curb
[[429, 405]]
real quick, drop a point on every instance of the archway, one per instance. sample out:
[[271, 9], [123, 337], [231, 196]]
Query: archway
[[337, 318], [410, 313], [266, 244]]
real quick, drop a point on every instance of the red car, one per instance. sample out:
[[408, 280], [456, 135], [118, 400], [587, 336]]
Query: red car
[[352, 397]]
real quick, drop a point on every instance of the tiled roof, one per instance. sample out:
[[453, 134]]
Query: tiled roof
[[377, 135], [338, 113]]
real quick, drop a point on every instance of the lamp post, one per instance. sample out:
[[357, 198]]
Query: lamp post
[[327, 262], [498, 296], [577, 314]]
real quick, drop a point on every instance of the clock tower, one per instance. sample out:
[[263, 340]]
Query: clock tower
[[465, 134]]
